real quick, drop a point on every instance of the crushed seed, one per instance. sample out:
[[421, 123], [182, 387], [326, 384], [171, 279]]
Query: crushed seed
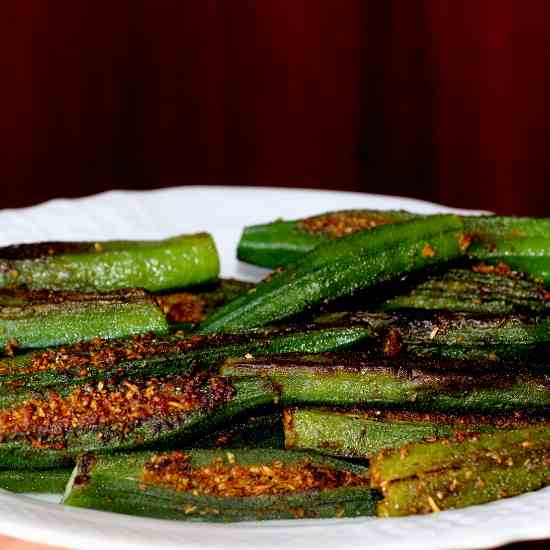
[[338, 224], [230, 479], [104, 354], [183, 307], [121, 406]]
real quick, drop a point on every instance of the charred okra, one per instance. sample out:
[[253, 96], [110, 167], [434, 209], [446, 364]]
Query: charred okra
[[103, 359], [224, 485], [480, 289], [46, 429], [429, 477], [453, 387], [454, 335], [363, 433]]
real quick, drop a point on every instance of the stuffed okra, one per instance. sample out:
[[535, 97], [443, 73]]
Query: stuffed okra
[[35, 319], [523, 243], [415, 332], [224, 485], [167, 264], [351, 379], [46, 429], [363, 433], [281, 242], [104, 359], [480, 289], [341, 268], [429, 477]]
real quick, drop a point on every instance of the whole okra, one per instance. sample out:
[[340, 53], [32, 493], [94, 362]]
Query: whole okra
[[481, 288], [453, 387], [462, 471], [361, 433], [449, 335], [223, 485], [38, 319], [167, 264], [341, 268], [160, 356]]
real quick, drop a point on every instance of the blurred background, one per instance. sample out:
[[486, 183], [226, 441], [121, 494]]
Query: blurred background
[[443, 100]]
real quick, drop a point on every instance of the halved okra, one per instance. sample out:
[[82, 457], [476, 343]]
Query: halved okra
[[49, 428], [167, 264], [453, 387], [361, 433], [104, 359], [342, 267], [479, 289], [469, 469], [281, 242], [223, 485], [37, 319]]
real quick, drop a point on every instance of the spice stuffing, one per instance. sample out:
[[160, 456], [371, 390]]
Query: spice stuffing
[[338, 224], [120, 406], [231, 479]]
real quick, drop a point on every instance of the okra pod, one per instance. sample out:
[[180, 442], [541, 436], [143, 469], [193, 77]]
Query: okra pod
[[363, 433], [104, 359], [37, 319], [429, 477], [453, 387], [454, 335], [341, 268], [530, 255], [523, 242], [167, 264], [47, 429], [223, 485], [35, 481], [281, 242], [479, 289]]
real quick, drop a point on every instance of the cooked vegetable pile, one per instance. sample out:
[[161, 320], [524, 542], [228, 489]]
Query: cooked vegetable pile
[[392, 364]]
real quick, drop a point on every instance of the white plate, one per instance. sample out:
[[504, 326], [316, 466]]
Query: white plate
[[224, 211]]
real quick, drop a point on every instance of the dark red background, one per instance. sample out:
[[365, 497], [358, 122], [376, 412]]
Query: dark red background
[[438, 99]]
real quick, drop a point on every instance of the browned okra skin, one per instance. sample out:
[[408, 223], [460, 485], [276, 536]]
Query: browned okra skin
[[453, 473]]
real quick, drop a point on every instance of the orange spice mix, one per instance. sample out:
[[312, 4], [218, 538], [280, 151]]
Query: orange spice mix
[[183, 307], [120, 406], [103, 354], [339, 224], [230, 479]]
